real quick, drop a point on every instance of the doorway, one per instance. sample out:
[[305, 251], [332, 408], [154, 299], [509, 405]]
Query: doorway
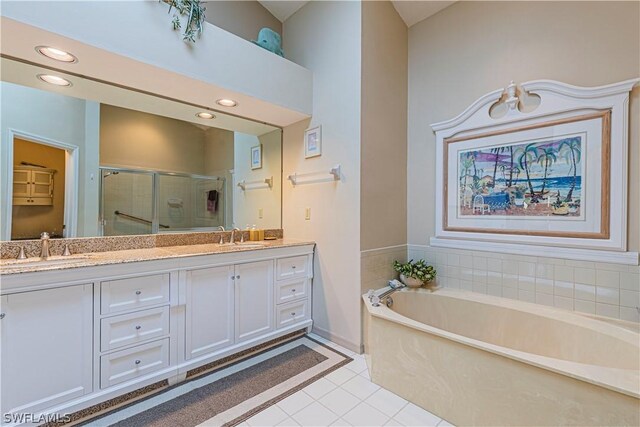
[[38, 190]]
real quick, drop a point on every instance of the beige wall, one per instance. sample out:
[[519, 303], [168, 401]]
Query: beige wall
[[218, 161], [325, 37], [246, 204], [471, 48], [383, 197], [242, 18], [29, 221], [130, 138]]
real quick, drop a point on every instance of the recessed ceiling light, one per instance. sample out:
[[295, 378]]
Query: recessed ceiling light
[[227, 102], [54, 80], [204, 115], [57, 54]]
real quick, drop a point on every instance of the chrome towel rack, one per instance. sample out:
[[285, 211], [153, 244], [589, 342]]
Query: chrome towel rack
[[254, 185], [314, 177]]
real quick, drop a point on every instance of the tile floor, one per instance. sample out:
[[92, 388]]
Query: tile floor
[[345, 397]]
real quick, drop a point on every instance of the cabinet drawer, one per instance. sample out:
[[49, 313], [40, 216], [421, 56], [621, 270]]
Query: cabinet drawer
[[288, 268], [291, 290], [132, 328], [133, 362], [135, 292], [288, 314]]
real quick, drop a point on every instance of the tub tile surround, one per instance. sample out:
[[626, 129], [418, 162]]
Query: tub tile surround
[[604, 289], [83, 245], [377, 266]]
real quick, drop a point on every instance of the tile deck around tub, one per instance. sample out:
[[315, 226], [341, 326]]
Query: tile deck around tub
[[345, 397]]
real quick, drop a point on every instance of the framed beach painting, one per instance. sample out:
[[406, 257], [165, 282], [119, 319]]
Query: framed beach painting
[[256, 157], [548, 179], [313, 142], [520, 179]]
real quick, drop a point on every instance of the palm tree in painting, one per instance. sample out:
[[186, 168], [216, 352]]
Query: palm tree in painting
[[527, 156], [496, 151], [571, 152], [546, 158], [511, 166], [466, 164]]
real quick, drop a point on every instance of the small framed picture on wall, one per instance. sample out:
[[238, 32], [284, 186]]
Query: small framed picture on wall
[[256, 157], [313, 142]]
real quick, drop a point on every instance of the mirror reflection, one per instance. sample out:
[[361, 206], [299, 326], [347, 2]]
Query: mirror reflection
[[97, 160]]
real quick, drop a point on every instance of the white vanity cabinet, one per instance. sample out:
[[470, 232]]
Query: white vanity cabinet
[[47, 347], [77, 337], [209, 310], [227, 305], [253, 300]]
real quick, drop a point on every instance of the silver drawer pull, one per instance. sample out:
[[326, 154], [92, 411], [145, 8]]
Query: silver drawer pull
[[137, 362], [293, 314], [2, 316], [293, 290], [294, 267], [138, 327], [238, 276], [138, 292]]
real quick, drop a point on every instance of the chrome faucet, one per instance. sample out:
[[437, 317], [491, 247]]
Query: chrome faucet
[[375, 297], [233, 234], [44, 239], [221, 228]]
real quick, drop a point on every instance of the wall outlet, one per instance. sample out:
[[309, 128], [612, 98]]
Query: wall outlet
[[260, 213], [307, 214]]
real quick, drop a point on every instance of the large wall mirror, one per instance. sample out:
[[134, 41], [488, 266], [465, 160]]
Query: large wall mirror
[[94, 159]]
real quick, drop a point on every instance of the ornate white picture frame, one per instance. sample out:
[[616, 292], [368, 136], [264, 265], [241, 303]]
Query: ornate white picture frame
[[526, 179]]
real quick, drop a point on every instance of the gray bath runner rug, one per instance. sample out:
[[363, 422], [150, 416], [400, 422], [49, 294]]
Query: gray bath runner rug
[[232, 394]]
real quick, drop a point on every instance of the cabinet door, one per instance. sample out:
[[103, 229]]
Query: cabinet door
[[209, 310], [254, 299], [41, 184], [46, 347], [21, 183]]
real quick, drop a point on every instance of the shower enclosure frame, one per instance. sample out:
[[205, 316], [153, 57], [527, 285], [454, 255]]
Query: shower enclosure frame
[[155, 200]]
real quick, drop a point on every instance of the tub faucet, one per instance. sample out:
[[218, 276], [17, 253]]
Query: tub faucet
[[385, 293], [44, 251]]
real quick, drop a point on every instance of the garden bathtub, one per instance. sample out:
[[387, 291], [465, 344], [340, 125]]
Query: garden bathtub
[[474, 359]]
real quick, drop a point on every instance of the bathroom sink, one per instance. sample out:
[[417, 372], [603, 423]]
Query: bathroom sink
[[39, 262], [253, 245], [244, 245]]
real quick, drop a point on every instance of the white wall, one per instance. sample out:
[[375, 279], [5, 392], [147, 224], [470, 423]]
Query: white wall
[[471, 48], [132, 43], [248, 203], [60, 118], [325, 37]]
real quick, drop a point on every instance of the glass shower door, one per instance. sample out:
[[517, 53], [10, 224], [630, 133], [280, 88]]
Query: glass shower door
[[127, 203], [190, 202]]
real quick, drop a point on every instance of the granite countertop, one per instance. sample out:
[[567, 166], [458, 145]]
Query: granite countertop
[[31, 265]]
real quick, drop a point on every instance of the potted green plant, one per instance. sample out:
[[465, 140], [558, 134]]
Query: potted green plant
[[415, 274]]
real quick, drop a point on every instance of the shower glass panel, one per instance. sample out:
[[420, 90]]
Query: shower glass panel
[[190, 202], [147, 202], [126, 202]]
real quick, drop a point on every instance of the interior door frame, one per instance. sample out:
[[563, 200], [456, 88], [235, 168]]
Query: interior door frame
[[71, 165]]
